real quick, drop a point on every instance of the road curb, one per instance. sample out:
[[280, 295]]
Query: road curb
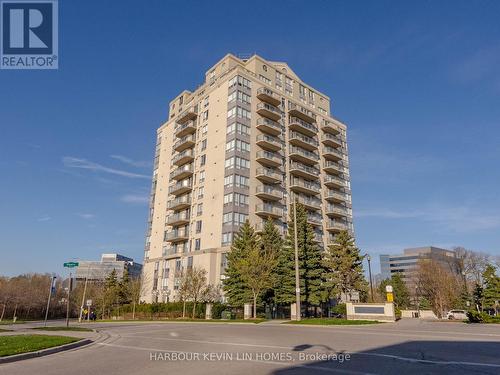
[[44, 352]]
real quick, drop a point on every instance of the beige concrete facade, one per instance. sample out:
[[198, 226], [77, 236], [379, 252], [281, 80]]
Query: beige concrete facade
[[246, 143]]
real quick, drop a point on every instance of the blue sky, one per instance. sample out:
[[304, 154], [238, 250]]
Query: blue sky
[[418, 84]]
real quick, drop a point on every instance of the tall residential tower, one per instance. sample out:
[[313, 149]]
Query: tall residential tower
[[244, 145]]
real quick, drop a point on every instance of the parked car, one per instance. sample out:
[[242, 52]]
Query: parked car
[[456, 315]]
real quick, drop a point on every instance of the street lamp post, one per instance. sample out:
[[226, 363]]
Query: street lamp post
[[297, 277], [52, 278], [369, 259], [84, 293]]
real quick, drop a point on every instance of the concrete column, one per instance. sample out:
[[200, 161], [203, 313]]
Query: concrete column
[[208, 311], [293, 311], [247, 311]]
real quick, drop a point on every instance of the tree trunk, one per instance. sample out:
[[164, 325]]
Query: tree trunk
[[133, 311], [3, 312], [194, 308], [255, 305], [184, 308], [15, 311]]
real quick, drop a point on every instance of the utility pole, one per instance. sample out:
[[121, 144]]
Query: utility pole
[[51, 289], [369, 259], [84, 293], [67, 301], [297, 278]]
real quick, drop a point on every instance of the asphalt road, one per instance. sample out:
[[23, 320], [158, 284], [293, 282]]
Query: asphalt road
[[406, 347]]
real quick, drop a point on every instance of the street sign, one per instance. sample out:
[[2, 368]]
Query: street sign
[[388, 289], [89, 302], [71, 264]]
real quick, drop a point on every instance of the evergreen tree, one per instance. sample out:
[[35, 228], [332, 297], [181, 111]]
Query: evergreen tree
[[310, 263], [234, 287], [123, 288], [344, 267], [271, 243], [401, 294], [491, 288]]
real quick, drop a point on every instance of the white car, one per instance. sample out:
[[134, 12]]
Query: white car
[[456, 314]]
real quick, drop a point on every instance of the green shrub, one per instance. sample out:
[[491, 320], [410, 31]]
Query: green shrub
[[477, 317], [217, 309], [340, 309]]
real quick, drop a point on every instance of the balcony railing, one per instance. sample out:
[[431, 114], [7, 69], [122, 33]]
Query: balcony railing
[[268, 192], [269, 96], [302, 126], [299, 139], [267, 158], [268, 175], [304, 170], [313, 203], [333, 167], [180, 187], [178, 218], [185, 142], [259, 227], [332, 140], [303, 113], [329, 127], [188, 114], [184, 129], [268, 210], [304, 156], [177, 235], [298, 184], [179, 203], [268, 111], [335, 196], [334, 181], [183, 158], [182, 172], [335, 226], [269, 142], [268, 126], [337, 211], [331, 153]]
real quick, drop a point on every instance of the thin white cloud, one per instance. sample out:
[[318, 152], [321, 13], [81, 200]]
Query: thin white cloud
[[72, 162], [461, 219], [44, 218], [135, 198], [131, 162], [86, 216]]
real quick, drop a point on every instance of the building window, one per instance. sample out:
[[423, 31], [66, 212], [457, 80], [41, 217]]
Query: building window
[[205, 102], [202, 177], [239, 96], [197, 244], [239, 112], [204, 116], [234, 218], [236, 180], [198, 226], [200, 192], [190, 262], [203, 160], [237, 145], [238, 128], [227, 238], [199, 209], [265, 79], [237, 162], [237, 199], [203, 144], [240, 81]]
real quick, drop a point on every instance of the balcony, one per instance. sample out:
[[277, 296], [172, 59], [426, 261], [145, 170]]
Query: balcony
[[185, 129], [335, 226], [329, 127], [298, 139], [180, 218], [182, 172], [179, 203], [177, 235], [269, 111], [268, 210], [295, 123], [334, 182], [184, 157], [301, 112], [268, 175], [299, 169], [268, 126], [185, 142], [268, 159], [331, 140], [315, 220], [310, 203], [268, 96], [334, 196], [268, 142], [268, 193], [331, 153], [189, 114], [259, 227], [336, 211], [303, 186], [333, 167], [180, 187], [304, 156]]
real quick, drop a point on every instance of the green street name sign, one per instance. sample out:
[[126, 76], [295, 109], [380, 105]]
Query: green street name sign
[[71, 264]]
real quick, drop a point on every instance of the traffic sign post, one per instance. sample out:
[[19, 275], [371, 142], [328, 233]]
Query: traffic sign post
[[69, 265]]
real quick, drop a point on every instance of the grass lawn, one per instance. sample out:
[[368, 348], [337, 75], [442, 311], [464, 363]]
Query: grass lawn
[[255, 321], [64, 328], [9, 321], [331, 322], [17, 344]]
